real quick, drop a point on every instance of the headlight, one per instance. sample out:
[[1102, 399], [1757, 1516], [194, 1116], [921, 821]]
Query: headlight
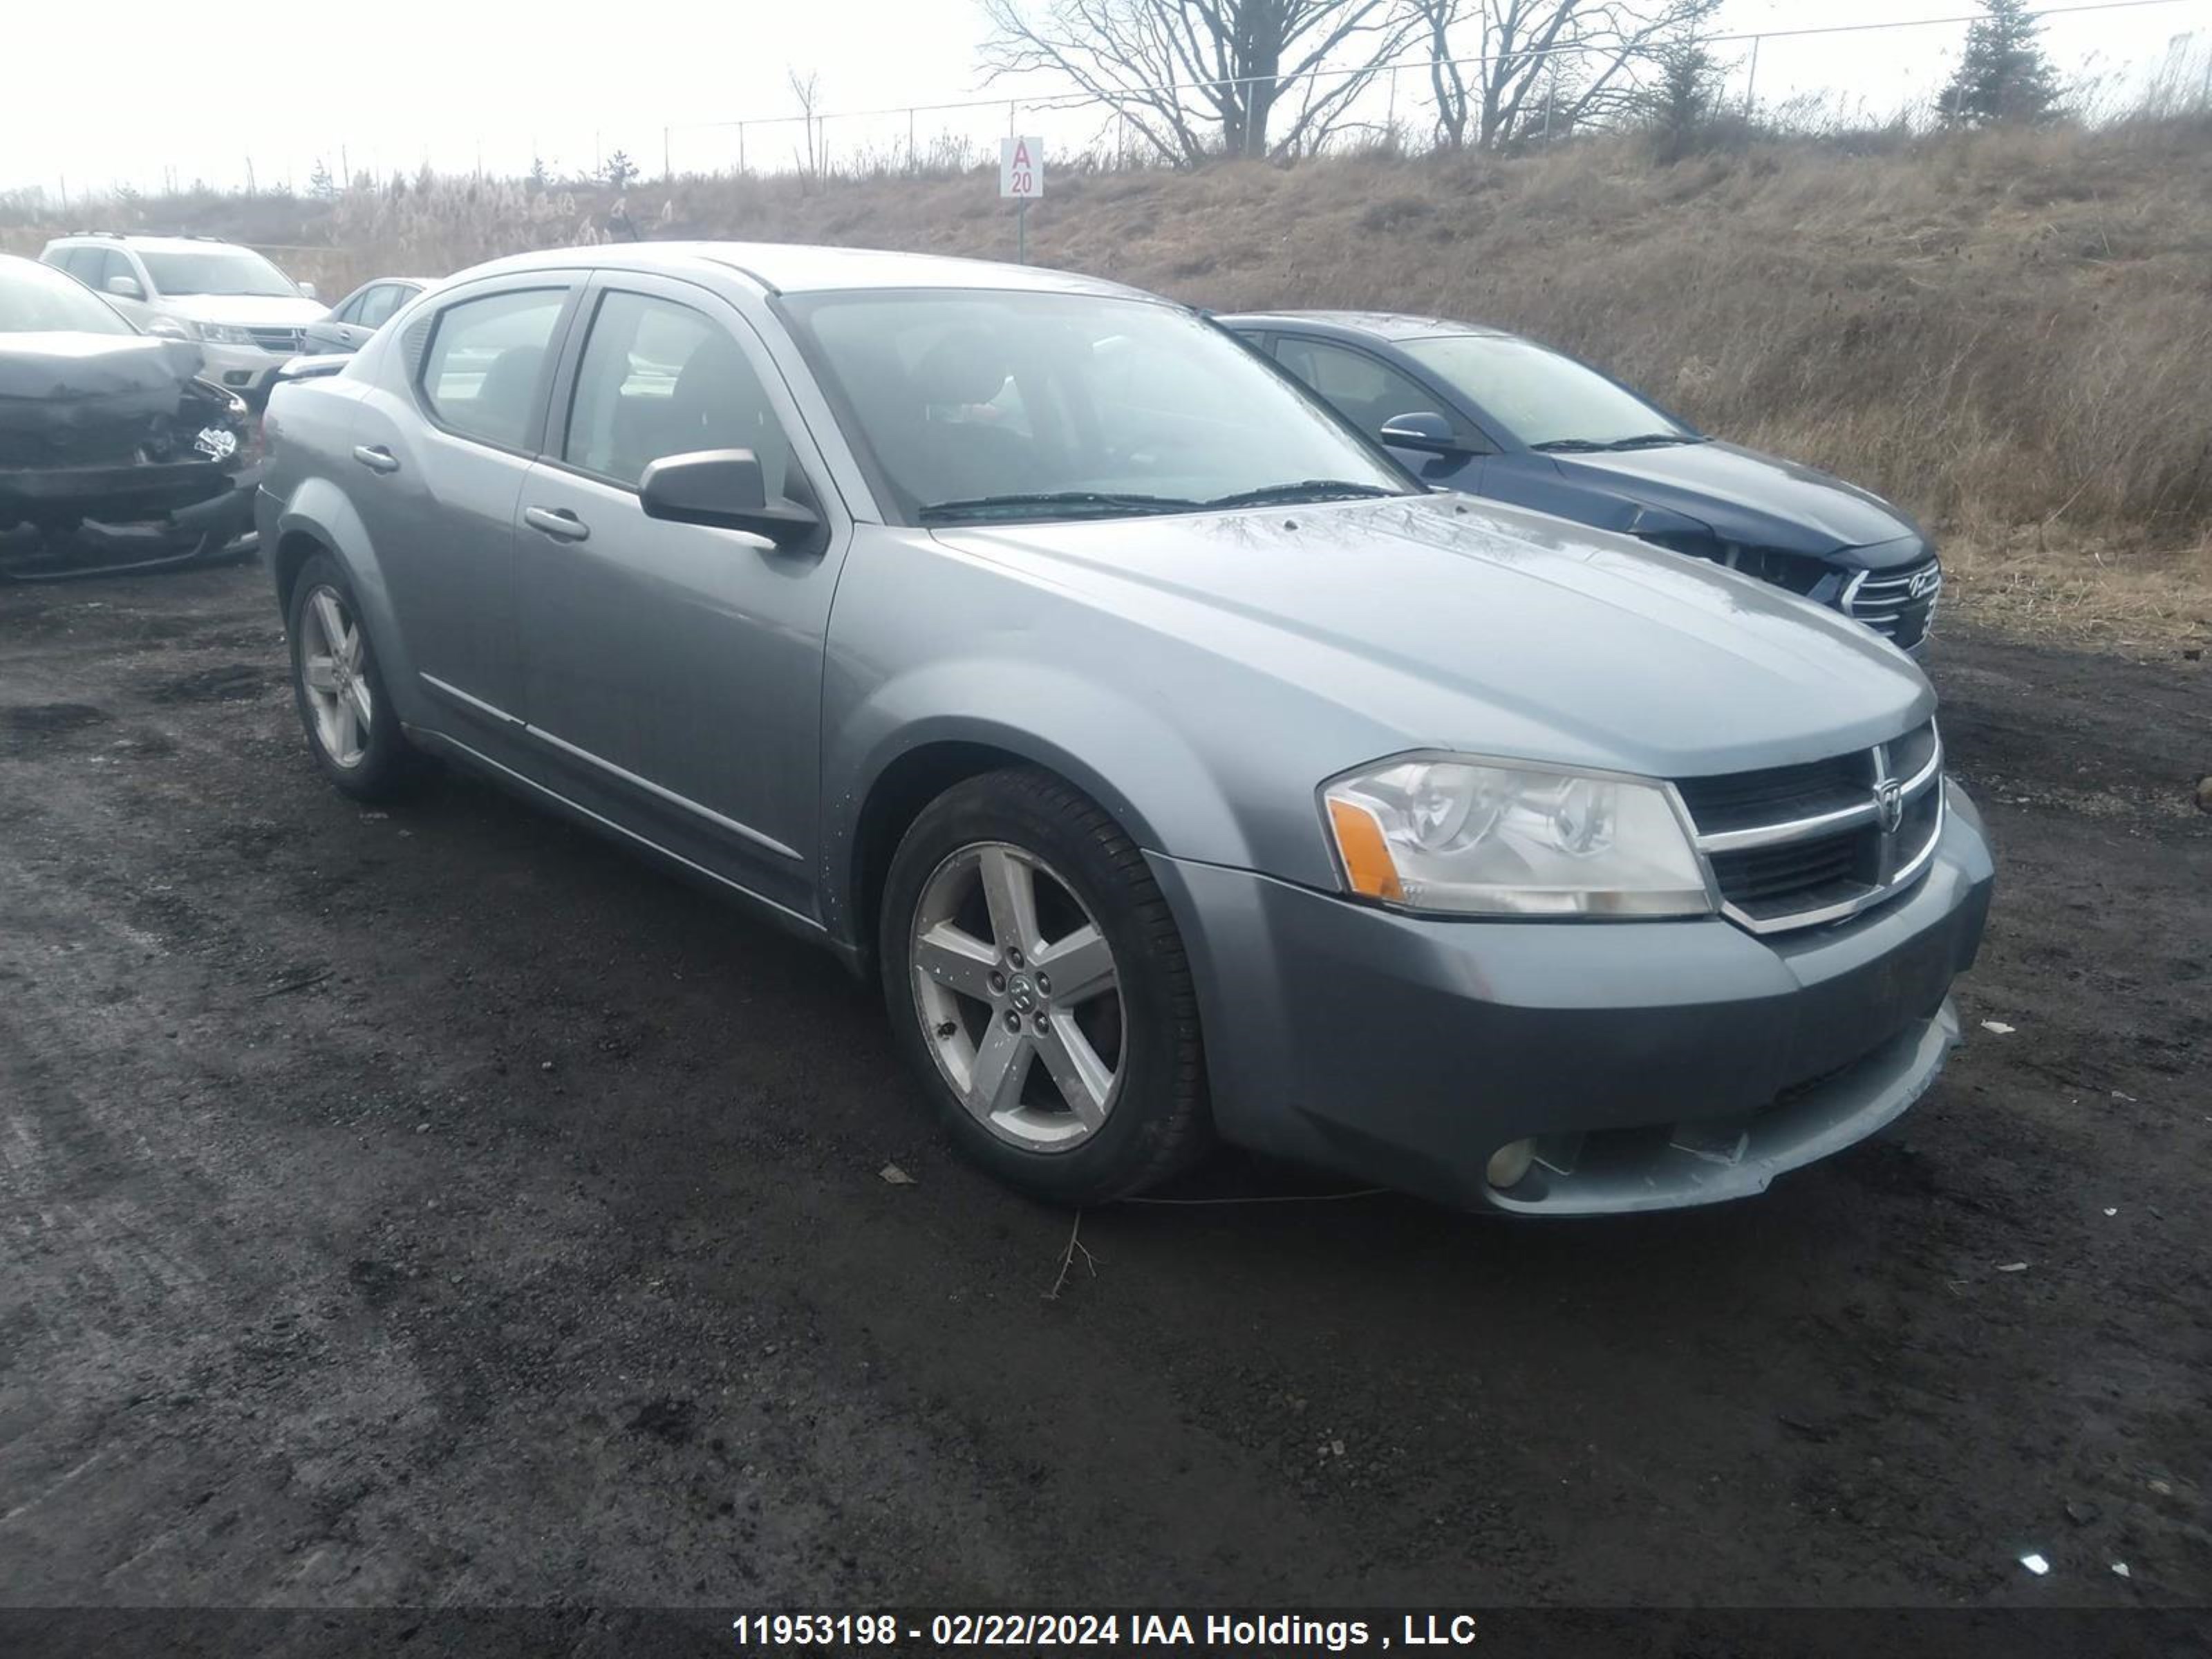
[[170, 328], [1473, 838], [223, 334]]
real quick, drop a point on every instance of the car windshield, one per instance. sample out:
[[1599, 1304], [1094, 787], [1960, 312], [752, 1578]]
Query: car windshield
[[218, 271], [1541, 400], [993, 406], [37, 299]]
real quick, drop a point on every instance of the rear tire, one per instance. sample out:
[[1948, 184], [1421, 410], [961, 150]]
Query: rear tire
[[1079, 1091], [352, 731]]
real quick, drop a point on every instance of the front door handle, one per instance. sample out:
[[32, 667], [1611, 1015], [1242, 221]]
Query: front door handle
[[557, 522], [377, 459]]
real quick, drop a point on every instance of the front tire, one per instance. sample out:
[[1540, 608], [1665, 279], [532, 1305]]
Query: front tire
[[352, 732], [1038, 986]]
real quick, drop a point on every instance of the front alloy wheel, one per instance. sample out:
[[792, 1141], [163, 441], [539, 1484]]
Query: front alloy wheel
[[1018, 995], [1039, 986]]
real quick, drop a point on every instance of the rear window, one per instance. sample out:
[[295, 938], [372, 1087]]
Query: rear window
[[487, 360]]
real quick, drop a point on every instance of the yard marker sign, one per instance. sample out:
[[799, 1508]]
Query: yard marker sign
[[1021, 181]]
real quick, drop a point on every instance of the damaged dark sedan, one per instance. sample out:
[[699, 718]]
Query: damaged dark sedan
[[115, 455]]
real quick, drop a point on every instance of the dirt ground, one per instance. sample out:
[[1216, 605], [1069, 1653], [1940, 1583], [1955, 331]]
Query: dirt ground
[[440, 1206]]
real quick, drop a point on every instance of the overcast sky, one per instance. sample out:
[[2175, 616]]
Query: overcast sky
[[136, 91]]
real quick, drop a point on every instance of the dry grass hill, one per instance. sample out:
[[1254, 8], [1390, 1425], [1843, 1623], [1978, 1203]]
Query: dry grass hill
[[2010, 332]]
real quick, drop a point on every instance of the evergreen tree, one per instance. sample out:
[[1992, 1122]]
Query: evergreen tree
[[321, 185], [2003, 75]]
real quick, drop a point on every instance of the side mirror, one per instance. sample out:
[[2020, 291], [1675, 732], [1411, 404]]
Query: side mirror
[[1426, 431], [125, 288], [723, 489], [307, 291]]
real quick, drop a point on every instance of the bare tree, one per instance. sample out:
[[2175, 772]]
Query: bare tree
[[1504, 70], [807, 89], [1195, 78]]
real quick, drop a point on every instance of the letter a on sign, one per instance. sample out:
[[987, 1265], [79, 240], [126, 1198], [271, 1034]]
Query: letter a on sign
[[1021, 169]]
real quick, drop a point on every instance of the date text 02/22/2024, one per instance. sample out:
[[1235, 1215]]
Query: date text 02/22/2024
[[1106, 1630]]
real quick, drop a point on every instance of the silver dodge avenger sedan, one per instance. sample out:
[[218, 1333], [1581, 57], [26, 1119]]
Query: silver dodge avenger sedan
[[1184, 770]]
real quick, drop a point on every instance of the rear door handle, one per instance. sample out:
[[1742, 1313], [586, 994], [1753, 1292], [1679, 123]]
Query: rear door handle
[[378, 459], [557, 522]]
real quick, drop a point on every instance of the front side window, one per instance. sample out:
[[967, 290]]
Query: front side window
[[486, 360], [970, 405], [36, 298], [1542, 399], [1364, 390], [232, 271], [658, 379]]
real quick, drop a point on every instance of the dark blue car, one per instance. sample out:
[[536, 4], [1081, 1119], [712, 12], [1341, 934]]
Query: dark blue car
[[1490, 413]]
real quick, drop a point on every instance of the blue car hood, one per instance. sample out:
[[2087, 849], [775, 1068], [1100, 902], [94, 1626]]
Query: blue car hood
[[1753, 499]]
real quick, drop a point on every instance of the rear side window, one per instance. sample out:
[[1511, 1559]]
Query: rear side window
[[371, 310], [487, 360], [658, 379], [1363, 388]]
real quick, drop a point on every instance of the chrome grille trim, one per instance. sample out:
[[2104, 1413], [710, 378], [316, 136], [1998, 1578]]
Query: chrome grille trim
[[278, 339], [1896, 853], [1887, 602], [1821, 824]]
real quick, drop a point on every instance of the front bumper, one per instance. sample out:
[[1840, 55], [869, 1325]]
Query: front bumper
[[1658, 1064], [114, 543], [244, 369]]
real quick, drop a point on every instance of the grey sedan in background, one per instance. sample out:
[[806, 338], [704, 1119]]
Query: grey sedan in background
[[1181, 768], [355, 320]]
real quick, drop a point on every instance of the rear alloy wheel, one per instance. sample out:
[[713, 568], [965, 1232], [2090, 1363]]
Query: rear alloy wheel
[[351, 730], [1037, 981], [331, 650]]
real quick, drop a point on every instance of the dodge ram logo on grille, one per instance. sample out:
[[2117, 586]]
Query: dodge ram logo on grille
[[1889, 804]]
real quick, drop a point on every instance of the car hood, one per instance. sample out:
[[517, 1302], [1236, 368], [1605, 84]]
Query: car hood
[[53, 367], [81, 399], [1456, 623], [249, 310], [1751, 499]]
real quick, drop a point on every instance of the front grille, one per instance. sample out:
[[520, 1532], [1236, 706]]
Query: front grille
[[1796, 845], [1899, 604], [1739, 800], [288, 340]]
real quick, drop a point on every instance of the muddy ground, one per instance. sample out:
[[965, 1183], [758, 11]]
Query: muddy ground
[[440, 1206]]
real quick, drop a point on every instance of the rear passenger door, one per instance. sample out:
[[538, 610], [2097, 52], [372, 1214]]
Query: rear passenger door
[[673, 673], [442, 440]]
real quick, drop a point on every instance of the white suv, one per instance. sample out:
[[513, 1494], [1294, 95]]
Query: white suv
[[246, 316]]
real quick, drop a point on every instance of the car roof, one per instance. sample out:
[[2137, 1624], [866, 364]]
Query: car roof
[[792, 268], [1374, 324]]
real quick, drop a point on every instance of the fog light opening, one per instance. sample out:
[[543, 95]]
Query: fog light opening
[[1509, 1163]]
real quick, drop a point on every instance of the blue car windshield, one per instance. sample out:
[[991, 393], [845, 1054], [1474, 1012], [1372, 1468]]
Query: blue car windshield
[[1541, 400], [987, 405]]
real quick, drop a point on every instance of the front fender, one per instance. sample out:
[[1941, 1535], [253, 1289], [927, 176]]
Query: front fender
[[1141, 768]]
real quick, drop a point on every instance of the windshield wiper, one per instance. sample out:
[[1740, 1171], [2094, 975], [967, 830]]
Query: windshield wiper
[[1653, 441], [1306, 489], [1575, 446], [1074, 503]]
